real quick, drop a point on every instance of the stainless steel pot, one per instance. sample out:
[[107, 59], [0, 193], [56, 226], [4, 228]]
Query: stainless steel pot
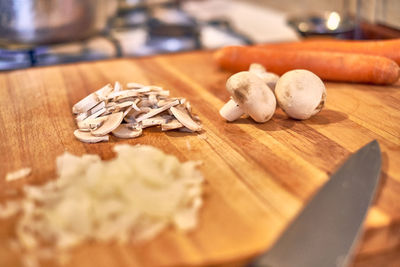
[[36, 22]]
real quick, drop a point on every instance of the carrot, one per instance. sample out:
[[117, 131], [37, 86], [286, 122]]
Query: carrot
[[332, 66], [386, 48]]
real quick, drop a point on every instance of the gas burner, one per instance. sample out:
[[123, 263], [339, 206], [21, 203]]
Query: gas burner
[[15, 59], [131, 18], [172, 30], [169, 29], [92, 49]]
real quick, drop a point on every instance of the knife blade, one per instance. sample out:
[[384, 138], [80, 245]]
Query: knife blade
[[325, 232]]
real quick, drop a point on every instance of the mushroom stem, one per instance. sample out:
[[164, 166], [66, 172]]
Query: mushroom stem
[[231, 111]]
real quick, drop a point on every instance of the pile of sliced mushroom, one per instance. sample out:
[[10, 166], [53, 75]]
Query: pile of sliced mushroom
[[125, 113]]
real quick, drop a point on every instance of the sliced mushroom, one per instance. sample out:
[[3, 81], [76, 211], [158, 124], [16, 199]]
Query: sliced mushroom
[[129, 119], [115, 96], [117, 87], [134, 85], [91, 100], [168, 117], [111, 106], [85, 115], [160, 97], [123, 105], [124, 131], [188, 107], [140, 106], [82, 116], [85, 104], [157, 111], [134, 105], [171, 125], [127, 111], [185, 130], [153, 121], [156, 88], [112, 122], [133, 114], [144, 102], [102, 94], [153, 100], [91, 124], [196, 118], [163, 102], [159, 93], [183, 117], [144, 89], [96, 108], [97, 114], [89, 138]]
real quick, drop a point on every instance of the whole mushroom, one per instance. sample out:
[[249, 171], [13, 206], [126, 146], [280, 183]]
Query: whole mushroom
[[268, 77], [250, 95], [300, 93]]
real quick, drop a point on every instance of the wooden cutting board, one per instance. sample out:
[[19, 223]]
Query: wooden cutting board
[[258, 175]]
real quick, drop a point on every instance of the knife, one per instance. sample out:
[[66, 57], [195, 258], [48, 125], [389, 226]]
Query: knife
[[325, 233]]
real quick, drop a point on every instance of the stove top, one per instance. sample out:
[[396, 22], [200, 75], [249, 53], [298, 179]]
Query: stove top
[[137, 32], [143, 31]]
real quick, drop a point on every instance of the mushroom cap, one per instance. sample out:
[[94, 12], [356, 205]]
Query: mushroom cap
[[300, 93], [268, 77], [252, 95]]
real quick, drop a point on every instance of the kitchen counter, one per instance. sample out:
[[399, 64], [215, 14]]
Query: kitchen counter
[[258, 175]]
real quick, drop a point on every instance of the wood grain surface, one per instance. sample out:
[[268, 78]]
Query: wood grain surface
[[258, 175]]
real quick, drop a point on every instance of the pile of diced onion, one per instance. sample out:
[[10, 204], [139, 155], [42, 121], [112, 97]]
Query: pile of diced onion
[[131, 197]]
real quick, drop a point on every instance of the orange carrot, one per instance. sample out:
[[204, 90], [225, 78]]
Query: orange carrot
[[345, 67], [386, 48]]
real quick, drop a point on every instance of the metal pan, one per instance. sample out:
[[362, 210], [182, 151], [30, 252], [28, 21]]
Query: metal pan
[[38, 22]]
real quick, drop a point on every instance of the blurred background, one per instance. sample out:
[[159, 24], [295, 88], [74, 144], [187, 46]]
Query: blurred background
[[46, 32]]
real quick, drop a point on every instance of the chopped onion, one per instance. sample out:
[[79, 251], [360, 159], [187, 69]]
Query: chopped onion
[[132, 197]]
